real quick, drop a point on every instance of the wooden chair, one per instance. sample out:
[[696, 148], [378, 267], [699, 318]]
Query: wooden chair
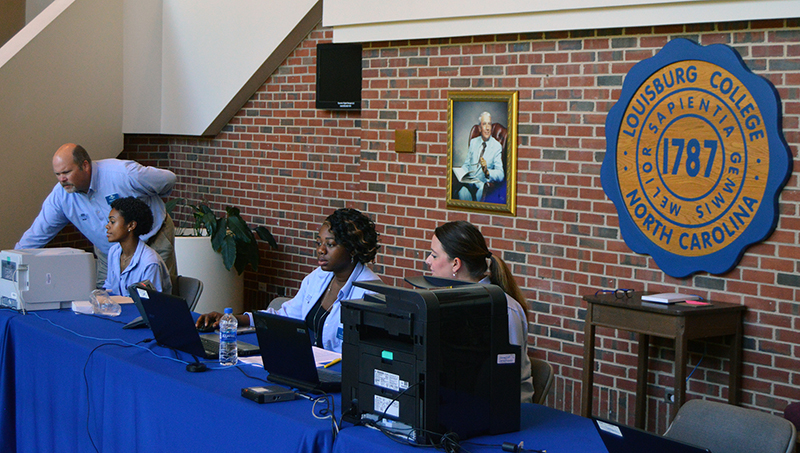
[[723, 427]]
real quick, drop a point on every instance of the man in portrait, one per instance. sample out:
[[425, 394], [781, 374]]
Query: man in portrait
[[484, 163]]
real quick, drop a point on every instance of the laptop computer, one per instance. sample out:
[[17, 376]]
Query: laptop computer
[[287, 355], [172, 324], [625, 439]]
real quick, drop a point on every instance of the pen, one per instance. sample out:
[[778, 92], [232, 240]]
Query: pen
[[332, 362]]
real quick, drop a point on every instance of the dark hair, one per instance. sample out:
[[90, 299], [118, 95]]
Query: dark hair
[[79, 155], [463, 240], [356, 232], [134, 210]]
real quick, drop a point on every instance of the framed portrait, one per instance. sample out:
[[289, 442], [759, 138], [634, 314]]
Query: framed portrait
[[482, 151]]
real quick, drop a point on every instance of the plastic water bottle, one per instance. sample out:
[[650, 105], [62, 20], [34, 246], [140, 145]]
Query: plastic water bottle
[[228, 354]]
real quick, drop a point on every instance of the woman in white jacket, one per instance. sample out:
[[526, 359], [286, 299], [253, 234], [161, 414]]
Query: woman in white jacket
[[346, 242]]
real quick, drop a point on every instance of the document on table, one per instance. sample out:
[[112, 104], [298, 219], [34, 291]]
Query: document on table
[[85, 307], [321, 357]]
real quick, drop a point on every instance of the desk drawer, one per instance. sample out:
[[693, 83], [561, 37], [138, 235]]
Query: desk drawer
[[660, 325]]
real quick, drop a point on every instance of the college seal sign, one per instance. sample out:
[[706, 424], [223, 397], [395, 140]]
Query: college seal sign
[[695, 158]]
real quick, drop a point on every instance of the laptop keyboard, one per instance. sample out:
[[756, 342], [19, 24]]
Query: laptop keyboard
[[328, 375], [211, 347]]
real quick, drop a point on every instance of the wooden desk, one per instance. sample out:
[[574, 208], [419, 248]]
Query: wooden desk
[[680, 322]]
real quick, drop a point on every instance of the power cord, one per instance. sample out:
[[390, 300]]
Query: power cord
[[88, 389], [508, 446], [327, 412]]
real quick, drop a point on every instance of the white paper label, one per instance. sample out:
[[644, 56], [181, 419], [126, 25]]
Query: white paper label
[[505, 359], [609, 428], [381, 404], [387, 380], [142, 293]]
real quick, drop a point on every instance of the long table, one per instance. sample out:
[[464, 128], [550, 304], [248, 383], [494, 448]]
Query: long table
[[68, 384], [541, 428]]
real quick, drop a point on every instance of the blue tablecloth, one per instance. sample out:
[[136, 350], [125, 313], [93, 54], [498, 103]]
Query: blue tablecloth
[[55, 397], [541, 428]]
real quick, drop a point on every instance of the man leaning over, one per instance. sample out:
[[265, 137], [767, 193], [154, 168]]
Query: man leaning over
[[83, 197]]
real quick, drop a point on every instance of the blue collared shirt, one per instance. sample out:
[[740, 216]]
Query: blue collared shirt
[[312, 288], [111, 179], [145, 264]]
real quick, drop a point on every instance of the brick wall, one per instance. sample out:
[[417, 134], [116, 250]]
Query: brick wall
[[288, 165]]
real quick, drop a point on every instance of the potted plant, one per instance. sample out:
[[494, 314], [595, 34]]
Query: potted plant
[[232, 237], [222, 285]]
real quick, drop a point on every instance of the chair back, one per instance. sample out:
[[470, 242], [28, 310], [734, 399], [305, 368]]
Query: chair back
[[726, 428], [190, 289], [499, 132], [543, 377], [277, 302]]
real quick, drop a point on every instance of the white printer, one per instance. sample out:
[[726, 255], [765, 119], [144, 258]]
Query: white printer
[[45, 279]]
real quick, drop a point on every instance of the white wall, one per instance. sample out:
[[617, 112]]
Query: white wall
[[189, 66], [367, 20], [210, 54], [60, 81], [142, 66], [34, 7]]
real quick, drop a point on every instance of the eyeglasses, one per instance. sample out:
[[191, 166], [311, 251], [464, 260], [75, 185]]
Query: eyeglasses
[[618, 293]]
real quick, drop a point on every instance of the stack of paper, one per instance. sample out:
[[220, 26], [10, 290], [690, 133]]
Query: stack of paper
[[669, 298]]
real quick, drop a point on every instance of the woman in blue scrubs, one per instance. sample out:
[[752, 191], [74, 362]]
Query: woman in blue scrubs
[[346, 242], [130, 260]]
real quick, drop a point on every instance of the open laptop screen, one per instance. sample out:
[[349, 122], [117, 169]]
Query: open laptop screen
[[625, 439]]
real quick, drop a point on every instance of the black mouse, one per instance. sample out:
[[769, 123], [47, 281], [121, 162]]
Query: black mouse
[[196, 367], [206, 328]]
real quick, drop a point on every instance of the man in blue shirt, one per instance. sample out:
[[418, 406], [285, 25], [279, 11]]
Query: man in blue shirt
[[484, 162], [83, 197]]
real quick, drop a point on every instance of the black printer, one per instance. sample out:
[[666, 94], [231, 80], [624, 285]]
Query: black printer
[[424, 362]]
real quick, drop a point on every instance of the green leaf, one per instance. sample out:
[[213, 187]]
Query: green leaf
[[232, 211], [170, 205], [265, 235], [228, 251], [240, 229], [220, 235], [247, 255]]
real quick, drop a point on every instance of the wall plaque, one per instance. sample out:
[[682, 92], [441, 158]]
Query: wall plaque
[[695, 158]]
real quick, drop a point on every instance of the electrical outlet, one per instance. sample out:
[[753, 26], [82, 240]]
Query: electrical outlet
[[262, 287], [669, 396]]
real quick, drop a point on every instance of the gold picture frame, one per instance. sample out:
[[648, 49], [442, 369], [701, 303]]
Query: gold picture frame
[[487, 186]]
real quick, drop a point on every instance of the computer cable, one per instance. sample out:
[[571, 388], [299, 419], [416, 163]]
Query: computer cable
[[88, 389], [327, 412], [107, 340], [508, 446], [253, 377]]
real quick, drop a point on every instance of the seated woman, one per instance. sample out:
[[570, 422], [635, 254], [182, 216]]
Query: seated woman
[[459, 251], [346, 242], [130, 260]]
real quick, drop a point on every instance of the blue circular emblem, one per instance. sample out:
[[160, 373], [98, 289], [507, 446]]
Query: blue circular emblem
[[695, 158]]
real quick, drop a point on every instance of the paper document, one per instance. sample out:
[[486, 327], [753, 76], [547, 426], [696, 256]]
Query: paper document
[[463, 176], [669, 298], [321, 357]]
